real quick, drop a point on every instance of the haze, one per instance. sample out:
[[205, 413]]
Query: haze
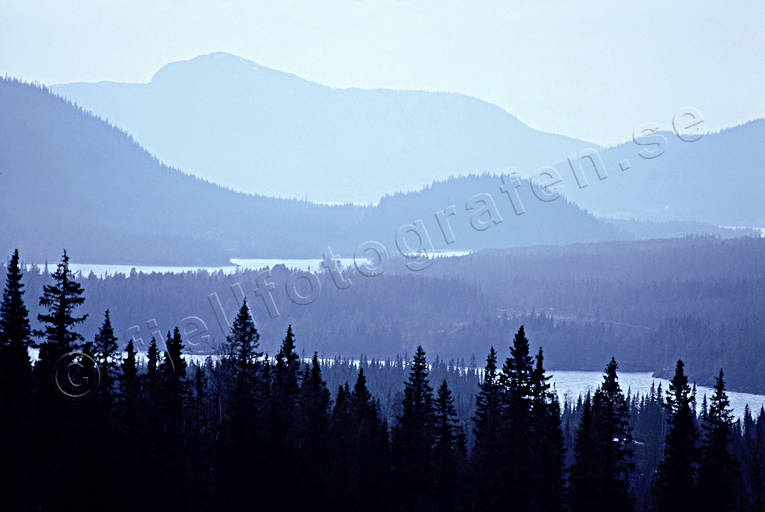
[[581, 69]]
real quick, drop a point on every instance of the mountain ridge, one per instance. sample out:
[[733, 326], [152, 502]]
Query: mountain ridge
[[320, 140]]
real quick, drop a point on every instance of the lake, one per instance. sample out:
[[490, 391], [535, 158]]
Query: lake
[[237, 264]]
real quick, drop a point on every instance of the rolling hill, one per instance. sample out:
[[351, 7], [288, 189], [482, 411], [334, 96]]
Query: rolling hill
[[70, 179], [258, 130]]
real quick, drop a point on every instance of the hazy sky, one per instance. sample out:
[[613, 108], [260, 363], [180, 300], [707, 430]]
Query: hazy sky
[[593, 70]]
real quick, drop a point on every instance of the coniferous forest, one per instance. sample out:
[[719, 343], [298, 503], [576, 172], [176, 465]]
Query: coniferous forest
[[88, 426]]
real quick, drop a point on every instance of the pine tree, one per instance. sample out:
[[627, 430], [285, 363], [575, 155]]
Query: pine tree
[[242, 347], [547, 441], [59, 321], [313, 430], [129, 412], [369, 458], [515, 380], [600, 475], [282, 424], [107, 355], [238, 456], [413, 436], [169, 461], [675, 485], [62, 424], [286, 373], [129, 389], [152, 364], [242, 357], [611, 423], [445, 463], [585, 475], [718, 470], [14, 328], [488, 431], [14, 385], [172, 373]]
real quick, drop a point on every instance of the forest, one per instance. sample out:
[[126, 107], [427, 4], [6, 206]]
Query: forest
[[647, 303], [92, 427]]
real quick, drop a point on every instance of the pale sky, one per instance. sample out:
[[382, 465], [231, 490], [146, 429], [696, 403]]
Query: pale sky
[[593, 70]]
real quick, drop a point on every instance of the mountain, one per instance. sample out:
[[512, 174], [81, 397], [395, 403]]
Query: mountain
[[72, 180], [258, 130], [716, 179]]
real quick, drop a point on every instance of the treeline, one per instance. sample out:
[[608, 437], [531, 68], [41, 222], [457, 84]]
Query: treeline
[[92, 428], [699, 300]]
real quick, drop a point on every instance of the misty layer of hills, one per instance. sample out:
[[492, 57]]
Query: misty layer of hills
[[258, 130], [72, 180], [255, 129], [715, 179]]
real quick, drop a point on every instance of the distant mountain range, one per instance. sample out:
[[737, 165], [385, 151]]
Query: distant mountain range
[[72, 180], [719, 178], [254, 129]]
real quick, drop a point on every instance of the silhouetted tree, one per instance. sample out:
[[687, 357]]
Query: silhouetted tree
[[675, 485], [600, 475], [15, 371], [718, 470], [547, 441], [488, 431], [516, 382], [445, 462], [107, 356], [413, 437], [60, 301]]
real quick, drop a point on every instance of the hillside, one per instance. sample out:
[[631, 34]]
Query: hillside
[[72, 180], [716, 179], [259, 130], [75, 181]]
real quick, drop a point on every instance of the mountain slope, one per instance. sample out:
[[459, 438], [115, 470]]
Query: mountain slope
[[717, 179], [258, 130], [72, 180]]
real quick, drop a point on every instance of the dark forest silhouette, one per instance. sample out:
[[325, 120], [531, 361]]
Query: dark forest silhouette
[[90, 428]]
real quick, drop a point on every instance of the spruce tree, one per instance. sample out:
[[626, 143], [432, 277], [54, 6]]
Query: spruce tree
[[585, 475], [675, 485], [174, 385], [172, 394], [515, 380], [413, 436], [239, 459], [369, 458], [611, 424], [128, 414], [60, 300], [152, 365], [14, 385], [718, 469], [242, 347], [600, 475], [488, 431], [129, 389], [547, 441], [14, 328], [282, 424], [445, 463], [62, 415], [313, 435], [107, 355]]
